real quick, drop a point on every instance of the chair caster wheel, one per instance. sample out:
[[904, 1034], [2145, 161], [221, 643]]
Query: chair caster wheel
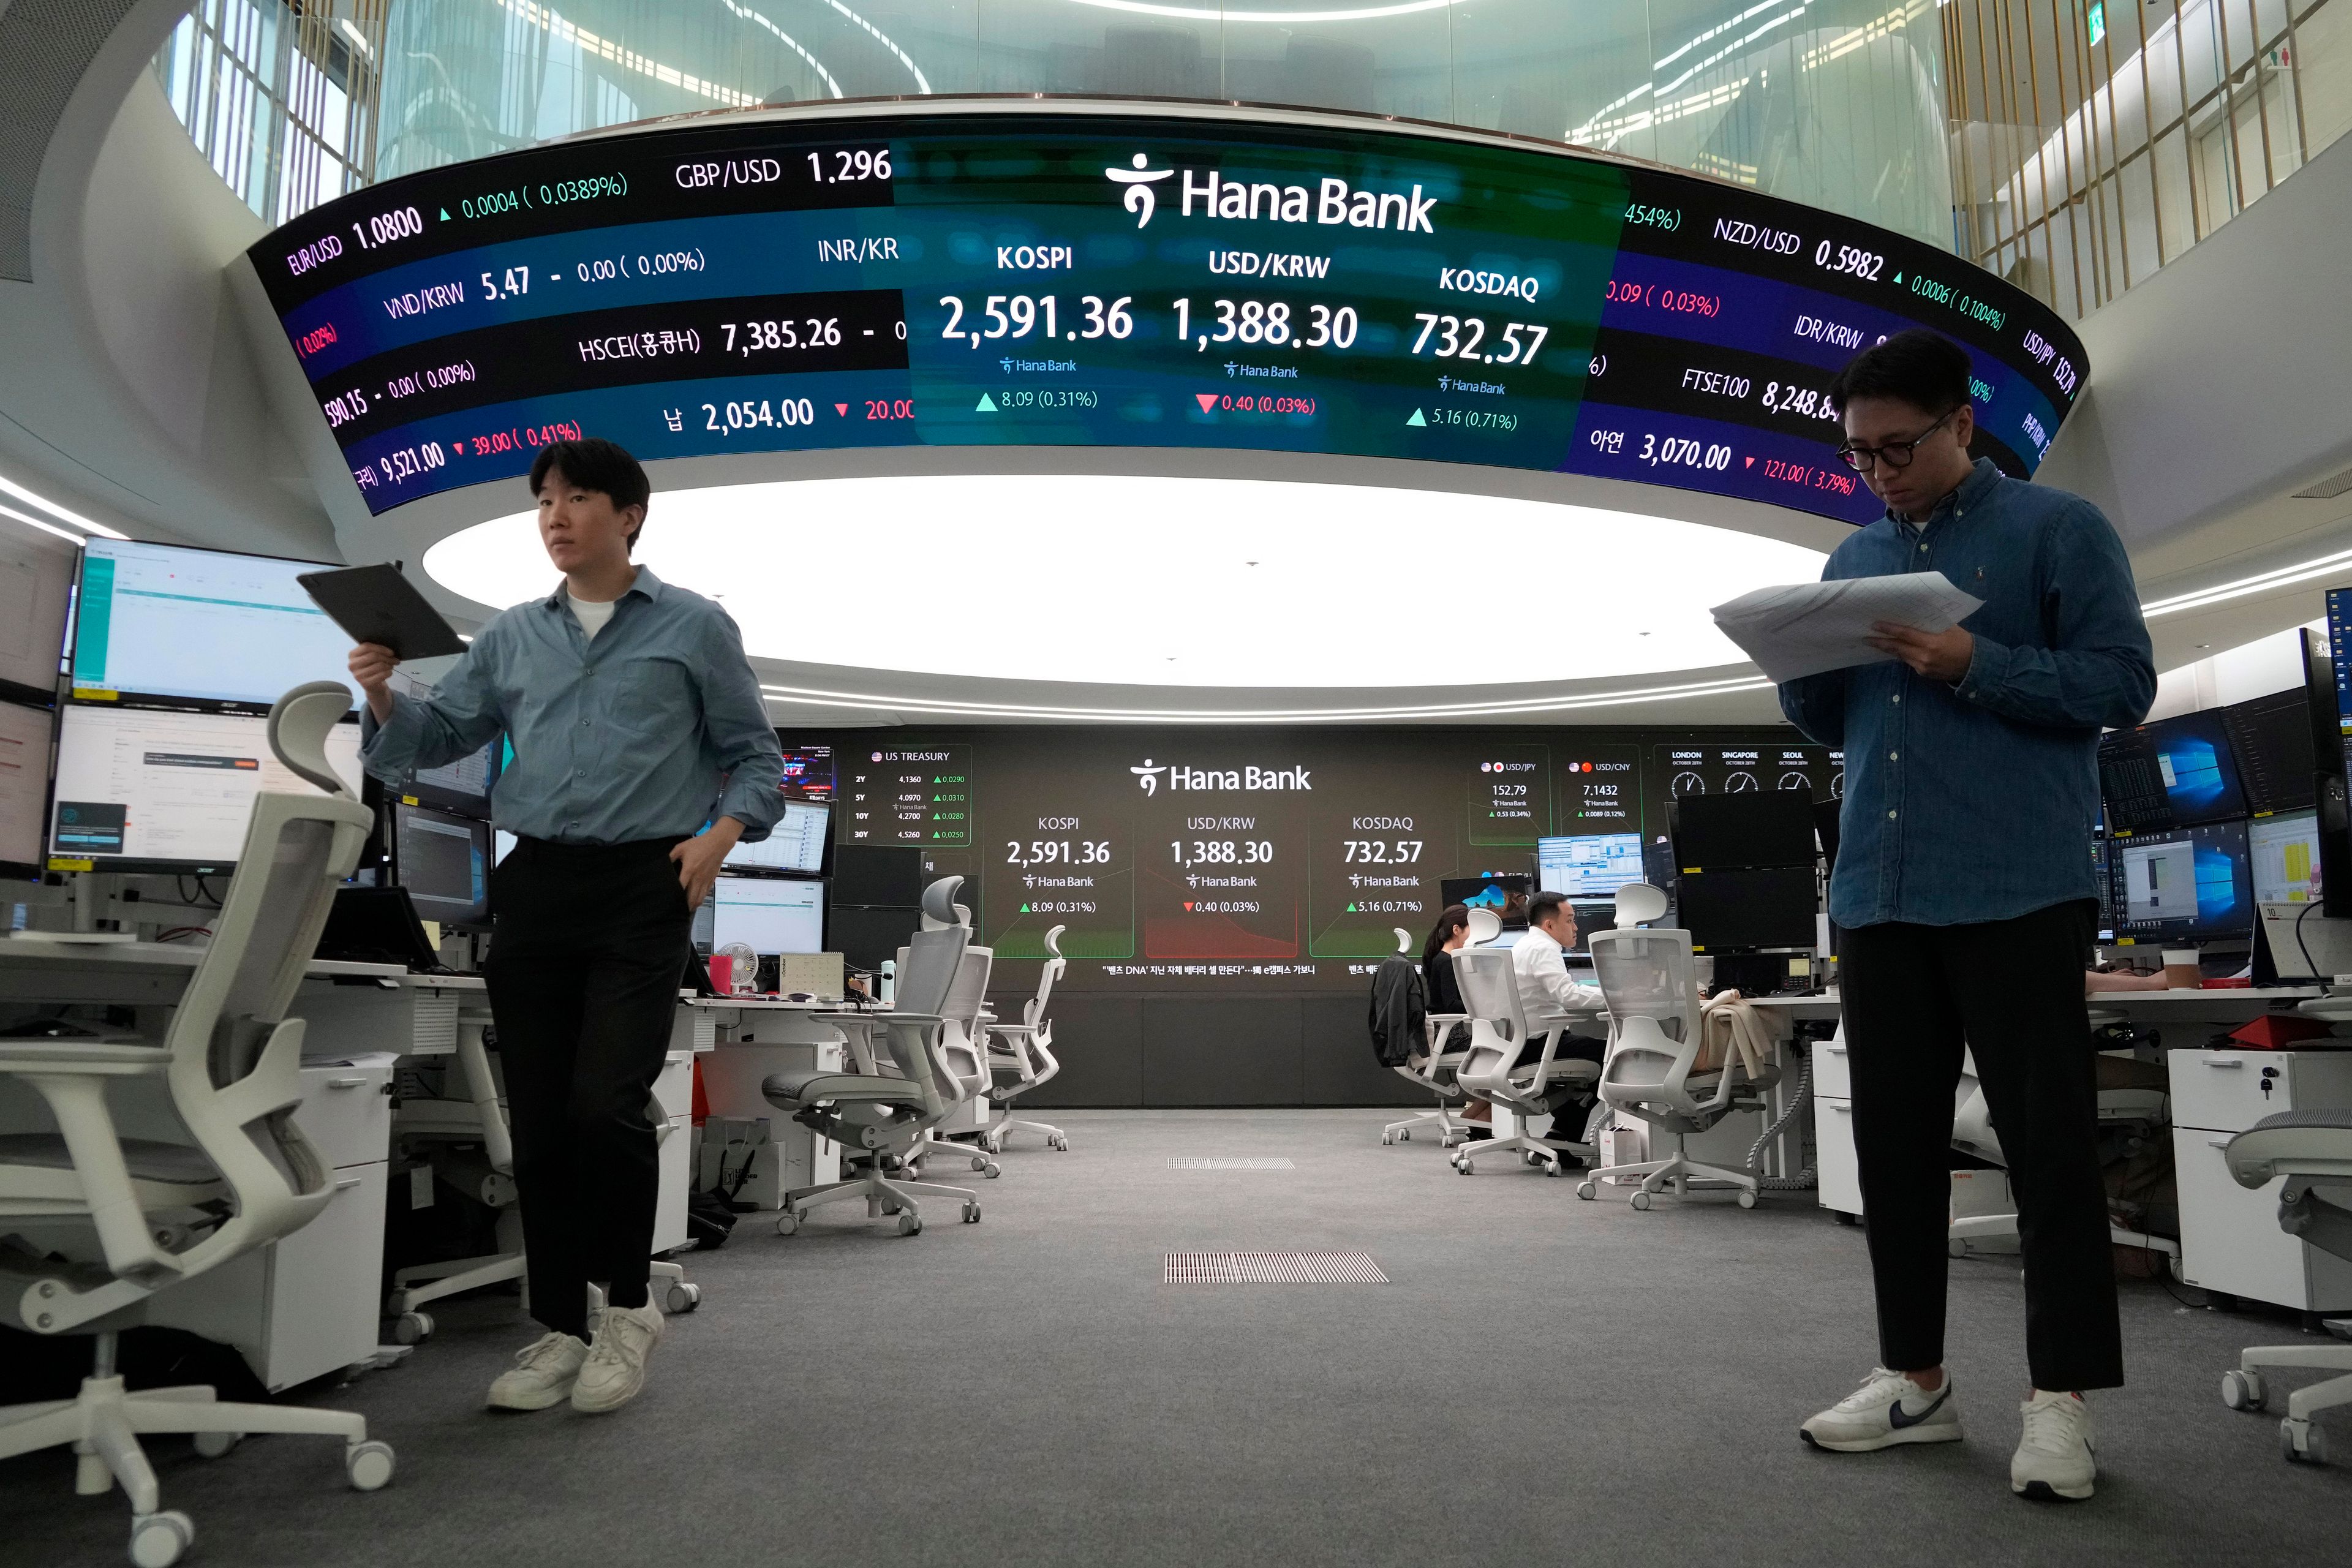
[[995, 1172], [2301, 1443], [158, 1538], [1587, 1191], [1386, 1140], [1465, 1166], [971, 1214], [215, 1445], [411, 1328], [683, 1297], [787, 1223], [1746, 1199], [369, 1465], [1405, 1136], [1531, 1157], [1061, 1143], [2243, 1390], [1554, 1170], [909, 1224], [1641, 1200], [978, 1164]]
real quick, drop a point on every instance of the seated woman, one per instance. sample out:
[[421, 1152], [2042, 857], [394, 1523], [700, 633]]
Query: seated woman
[[1445, 992]]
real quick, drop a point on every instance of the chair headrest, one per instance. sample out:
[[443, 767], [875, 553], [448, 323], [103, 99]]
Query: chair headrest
[[940, 908], [1638, 902], [1054, 940], [1485, 925], [299, 725]]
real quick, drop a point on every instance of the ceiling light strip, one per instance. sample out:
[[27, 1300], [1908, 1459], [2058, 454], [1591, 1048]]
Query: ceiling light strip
[[818, 697], [26, 517], [2261, 582], [1290, 18], [88, 525]]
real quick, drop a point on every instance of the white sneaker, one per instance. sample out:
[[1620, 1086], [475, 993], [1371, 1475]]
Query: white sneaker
[[543, 1374], [615, 1368], [1887, 1409], [2053, 1458]]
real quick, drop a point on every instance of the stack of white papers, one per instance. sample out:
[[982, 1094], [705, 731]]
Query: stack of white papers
[[1805, 628]]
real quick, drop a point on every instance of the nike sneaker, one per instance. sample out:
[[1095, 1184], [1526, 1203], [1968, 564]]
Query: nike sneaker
[[2055, 1455], [1887, 1409]]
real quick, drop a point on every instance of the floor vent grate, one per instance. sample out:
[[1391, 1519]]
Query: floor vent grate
[[1175, 1165], [1272, 1269]]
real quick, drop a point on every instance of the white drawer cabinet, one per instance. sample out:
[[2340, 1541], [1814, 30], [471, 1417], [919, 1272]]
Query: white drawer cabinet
[[1831, 1077], [1833, 1161], [2230, 1235]]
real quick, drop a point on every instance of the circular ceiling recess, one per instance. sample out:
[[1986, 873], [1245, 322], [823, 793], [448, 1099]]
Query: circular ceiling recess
[[1177, 582]]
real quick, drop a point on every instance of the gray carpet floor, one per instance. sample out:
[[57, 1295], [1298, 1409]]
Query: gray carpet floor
[[1542, 1380]]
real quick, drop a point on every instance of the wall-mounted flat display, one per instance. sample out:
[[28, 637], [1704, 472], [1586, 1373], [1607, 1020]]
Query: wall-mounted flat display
[[160, 623], [151, 789], [1275, 859], [948, 274]]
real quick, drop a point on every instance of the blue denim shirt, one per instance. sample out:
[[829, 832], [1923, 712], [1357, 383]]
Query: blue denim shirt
[[1977, 801], [646, 731]]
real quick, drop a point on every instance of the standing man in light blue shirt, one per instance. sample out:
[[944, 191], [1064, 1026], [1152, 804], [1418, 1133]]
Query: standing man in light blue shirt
[[1964, 892], [635, 720]]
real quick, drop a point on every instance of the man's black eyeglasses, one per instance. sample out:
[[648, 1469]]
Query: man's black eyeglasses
[[1895, 454]]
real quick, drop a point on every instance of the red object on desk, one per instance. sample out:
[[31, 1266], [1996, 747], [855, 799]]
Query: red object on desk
[[2228, 982], [2277, 1032]]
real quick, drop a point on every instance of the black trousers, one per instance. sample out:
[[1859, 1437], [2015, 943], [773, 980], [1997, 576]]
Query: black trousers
[[583, 975], [2013, 991]]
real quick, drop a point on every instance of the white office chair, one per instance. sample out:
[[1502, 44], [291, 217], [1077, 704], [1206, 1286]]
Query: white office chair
[[963, 1040], [1434, 1067], [1651, 979], [1020, 1056], [2312, 1149], [1499, 1028], [878, 1118], [2143, 1113], [466, 1138], [229, 1063]]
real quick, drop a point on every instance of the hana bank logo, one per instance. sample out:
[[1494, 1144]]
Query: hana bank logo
[[1142, 202], [1147, 775]]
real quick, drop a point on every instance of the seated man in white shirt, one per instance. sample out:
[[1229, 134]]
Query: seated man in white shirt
[[1546, 991]]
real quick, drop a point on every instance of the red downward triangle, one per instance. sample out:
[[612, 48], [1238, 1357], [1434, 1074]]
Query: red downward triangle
[[1752, 462], [1208, 401], [843, 409], [1187, 904]]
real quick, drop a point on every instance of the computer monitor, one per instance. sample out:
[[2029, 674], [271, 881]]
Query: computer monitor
[[463, 786], [884, 876], [24, 734], [1588, 866], [145, 789], [2339, 627], [1505, 892], [808, 771], [2284, 851], [1747, 909], [2320, 700], [36, 575], [767, 915], [164, 622], [443, 861], [1751, 827], [2270, 739], [2190, 883], [796, 843], [2172, 773]]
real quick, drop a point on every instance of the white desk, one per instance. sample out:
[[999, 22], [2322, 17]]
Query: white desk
[[751, 1038]]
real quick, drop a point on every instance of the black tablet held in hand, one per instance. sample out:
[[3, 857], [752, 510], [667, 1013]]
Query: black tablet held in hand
[[376, 603]]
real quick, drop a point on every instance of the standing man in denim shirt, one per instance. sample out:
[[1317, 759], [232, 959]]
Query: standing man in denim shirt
[[1964, 890], [635, 720]]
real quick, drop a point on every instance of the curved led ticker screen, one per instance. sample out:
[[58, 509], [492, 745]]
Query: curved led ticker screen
[[1061, 277]]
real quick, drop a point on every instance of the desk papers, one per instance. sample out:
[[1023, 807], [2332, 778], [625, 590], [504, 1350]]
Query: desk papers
[[1805, 628]]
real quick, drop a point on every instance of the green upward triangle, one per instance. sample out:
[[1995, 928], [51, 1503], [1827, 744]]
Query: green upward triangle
[[987, 405], [1417, 421]]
